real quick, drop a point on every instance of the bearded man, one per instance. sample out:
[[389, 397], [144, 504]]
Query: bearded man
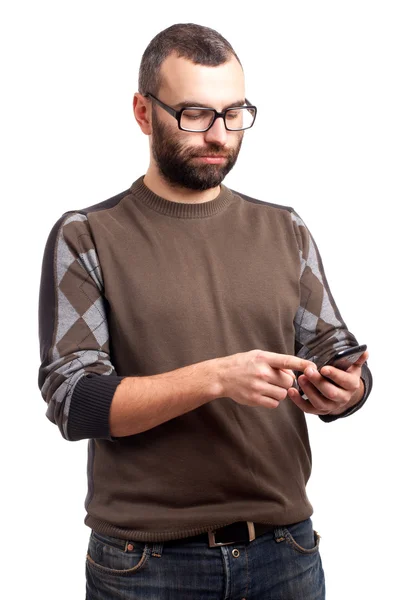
[[181, 325]]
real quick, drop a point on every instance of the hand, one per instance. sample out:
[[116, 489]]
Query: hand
[[257, 377], [325, 398]]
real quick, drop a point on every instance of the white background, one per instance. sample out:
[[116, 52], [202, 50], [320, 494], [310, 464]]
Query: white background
[[325, 78]]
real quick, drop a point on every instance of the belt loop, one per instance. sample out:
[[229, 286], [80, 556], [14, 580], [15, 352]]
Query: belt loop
[[251, 530], [279, 535], [157, 549]]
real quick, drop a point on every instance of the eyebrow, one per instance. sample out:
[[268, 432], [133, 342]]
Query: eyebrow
[[188, 104]]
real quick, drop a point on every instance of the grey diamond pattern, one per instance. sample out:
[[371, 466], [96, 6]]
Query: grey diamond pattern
[[323, 329], [91, 263], [90, 354], [95, 318], [67, 316], [328, 313], [64, 259]]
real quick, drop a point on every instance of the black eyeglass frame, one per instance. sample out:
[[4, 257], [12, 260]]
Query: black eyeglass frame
[[178, 113]]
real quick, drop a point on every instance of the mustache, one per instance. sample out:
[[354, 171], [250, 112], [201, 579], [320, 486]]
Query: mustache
[[214, 153]]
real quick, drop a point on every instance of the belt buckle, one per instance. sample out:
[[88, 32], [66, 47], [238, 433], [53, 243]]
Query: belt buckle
[[213, 544]]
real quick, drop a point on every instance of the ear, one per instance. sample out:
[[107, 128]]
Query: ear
[[142, 112]]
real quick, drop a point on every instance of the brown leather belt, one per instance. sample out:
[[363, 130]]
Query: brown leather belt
[[241, 532]]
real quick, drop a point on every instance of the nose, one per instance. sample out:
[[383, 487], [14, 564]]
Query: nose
[[217, 134]]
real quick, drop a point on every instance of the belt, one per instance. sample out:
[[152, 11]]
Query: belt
[[235, 533]]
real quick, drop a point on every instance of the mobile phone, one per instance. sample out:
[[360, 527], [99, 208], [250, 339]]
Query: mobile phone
[[341, 360], [344, 359]]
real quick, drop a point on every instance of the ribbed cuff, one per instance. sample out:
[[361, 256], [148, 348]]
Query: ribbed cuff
[[366, 376], [90, 407]]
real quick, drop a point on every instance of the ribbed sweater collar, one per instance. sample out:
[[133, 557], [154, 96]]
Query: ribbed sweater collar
[[181, 209]]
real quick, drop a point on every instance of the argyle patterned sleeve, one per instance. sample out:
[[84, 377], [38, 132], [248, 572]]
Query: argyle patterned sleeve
[[319, 328], [76, 377]]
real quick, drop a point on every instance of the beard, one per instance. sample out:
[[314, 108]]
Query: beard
[[174, 162]]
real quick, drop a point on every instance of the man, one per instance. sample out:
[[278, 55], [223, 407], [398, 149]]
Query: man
[[172, 318]]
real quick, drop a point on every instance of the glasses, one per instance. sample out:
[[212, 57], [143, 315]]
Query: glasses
[[199, 118]]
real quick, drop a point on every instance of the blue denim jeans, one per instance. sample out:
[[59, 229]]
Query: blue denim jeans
[[281, 565]]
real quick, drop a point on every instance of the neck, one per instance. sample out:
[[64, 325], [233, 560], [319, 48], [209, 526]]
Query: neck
[[158, 185]]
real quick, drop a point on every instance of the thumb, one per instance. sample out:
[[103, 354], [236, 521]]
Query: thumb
[[359, 363], [363, 358]]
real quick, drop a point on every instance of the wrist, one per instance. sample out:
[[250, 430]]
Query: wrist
[[215, 370]]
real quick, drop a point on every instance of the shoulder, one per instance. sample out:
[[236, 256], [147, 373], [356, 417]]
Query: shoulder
[[271, 206], [105, 204], [263, 203], [77, 219], [279, 215], [287, 212]]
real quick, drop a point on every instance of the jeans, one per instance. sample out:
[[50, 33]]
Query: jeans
[[281, 565]]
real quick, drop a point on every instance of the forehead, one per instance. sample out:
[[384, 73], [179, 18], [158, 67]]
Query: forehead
[[182, 80]]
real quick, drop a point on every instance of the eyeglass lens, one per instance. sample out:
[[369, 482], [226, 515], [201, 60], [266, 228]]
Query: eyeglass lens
[[235, 119]]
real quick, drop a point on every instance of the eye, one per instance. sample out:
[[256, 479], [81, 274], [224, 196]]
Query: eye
[[233, 114], [192, 115], [196, 119]]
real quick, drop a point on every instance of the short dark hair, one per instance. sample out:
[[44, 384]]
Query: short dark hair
[[199, 44]]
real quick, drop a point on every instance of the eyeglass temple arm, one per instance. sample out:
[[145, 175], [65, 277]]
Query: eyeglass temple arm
[[169, 110]]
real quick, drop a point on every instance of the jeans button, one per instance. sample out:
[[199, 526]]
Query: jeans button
[[235, 553]]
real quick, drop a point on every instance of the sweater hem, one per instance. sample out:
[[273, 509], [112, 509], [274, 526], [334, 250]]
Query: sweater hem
[[105, 528]]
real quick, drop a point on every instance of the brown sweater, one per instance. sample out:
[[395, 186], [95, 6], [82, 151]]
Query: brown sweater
[[139, 285]]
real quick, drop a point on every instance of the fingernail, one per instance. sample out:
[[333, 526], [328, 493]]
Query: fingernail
[[310, 371]]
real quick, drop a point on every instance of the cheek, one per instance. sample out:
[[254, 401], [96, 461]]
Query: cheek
[[188, 140], [235, 139], [239, 137]]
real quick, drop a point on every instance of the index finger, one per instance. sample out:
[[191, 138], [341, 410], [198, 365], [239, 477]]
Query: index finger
[[287, 361]]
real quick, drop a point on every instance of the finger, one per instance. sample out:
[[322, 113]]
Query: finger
[[363, 358], [334, 373], [347, 380], [287, 361], [274, 392], [280, 377], [318, 403], [304, 405], [266, 402], [289, 372], [328, 389]]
